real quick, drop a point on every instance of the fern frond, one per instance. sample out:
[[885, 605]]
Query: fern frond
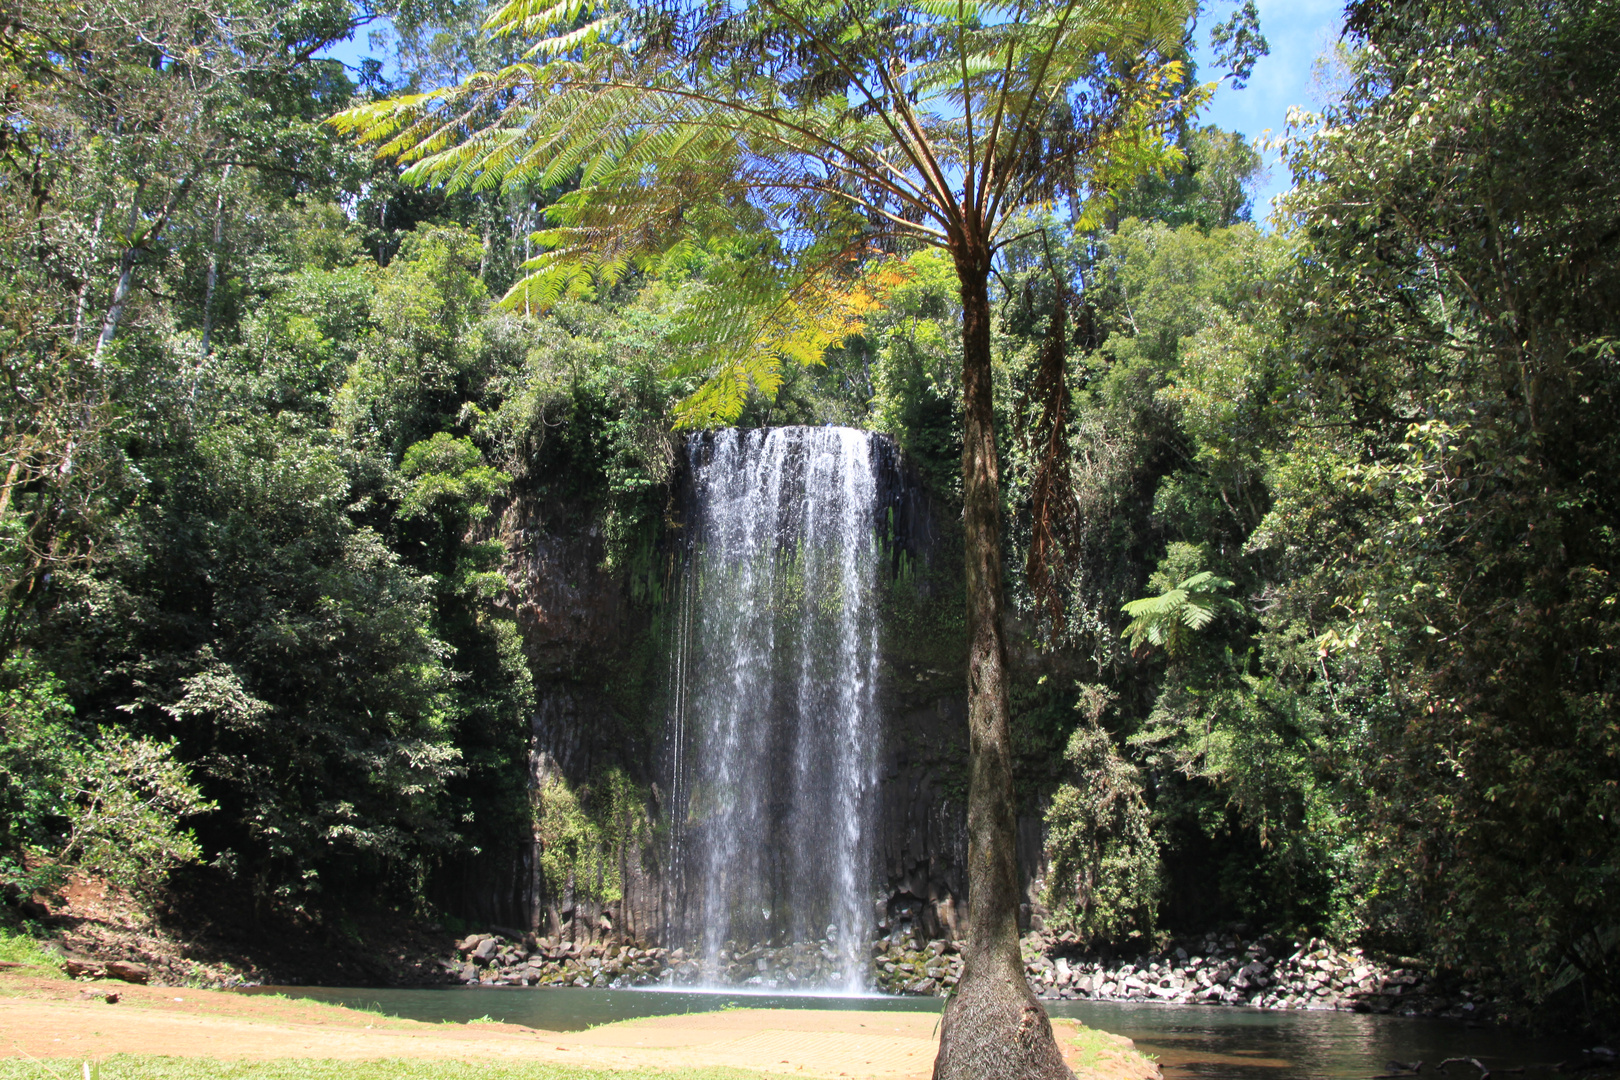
[[1197, 613], [533, 17], [561, 44], [669, 121]]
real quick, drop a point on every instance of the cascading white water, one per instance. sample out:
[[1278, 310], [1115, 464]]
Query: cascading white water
[[774, 694]]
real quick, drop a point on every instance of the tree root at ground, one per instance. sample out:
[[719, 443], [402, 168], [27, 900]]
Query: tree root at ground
[[993, 1028]]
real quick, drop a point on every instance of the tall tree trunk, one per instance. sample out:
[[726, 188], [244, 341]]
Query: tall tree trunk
[[132, 253], [120, 297], [488, 238], [213, 266], [83, 300], [11, 476], [993, 1028]]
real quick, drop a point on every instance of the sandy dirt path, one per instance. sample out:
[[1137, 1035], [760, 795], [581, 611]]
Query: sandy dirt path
[[54, 1019]]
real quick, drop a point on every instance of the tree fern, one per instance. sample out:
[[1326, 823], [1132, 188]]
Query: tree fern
[[1169, 619], [804, 117]]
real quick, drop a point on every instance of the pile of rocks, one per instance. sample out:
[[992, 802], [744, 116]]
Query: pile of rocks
[[495, 960], [904, 965], [1265, 973]]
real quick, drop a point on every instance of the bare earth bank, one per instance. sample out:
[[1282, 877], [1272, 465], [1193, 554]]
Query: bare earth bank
[[43, 1018]]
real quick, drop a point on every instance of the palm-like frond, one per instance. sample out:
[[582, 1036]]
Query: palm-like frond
[[743, 346], [535, 18], [829, 123], [1191, 605]]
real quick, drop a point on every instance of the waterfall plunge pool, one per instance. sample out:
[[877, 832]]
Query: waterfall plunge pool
[[1189, 1041]]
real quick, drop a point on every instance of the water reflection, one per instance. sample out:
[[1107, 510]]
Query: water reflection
[[1250, 1044], [1207, 1043]]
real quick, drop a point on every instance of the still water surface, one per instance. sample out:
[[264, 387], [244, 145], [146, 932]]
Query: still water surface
[[1204, 1042]]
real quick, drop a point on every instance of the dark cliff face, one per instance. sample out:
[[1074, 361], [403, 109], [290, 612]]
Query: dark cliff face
[[922, 810], [591, 645], [598, 643]]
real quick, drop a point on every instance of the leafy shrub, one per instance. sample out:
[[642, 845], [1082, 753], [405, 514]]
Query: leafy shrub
[[126, 799], [37, 749], [1104, 868], [111, 805]]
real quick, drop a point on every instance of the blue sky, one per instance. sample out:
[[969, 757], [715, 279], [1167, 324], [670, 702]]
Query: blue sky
[[1298, 31]]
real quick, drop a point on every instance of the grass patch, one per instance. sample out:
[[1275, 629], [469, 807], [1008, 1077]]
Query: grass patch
[[1094, 1048], [19, 948], [370, 1010], [144, 1067]]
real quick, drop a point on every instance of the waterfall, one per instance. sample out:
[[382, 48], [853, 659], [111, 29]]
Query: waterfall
[[774, 726]]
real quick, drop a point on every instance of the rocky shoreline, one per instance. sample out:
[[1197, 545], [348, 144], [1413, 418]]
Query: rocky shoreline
[[1264, 973], [94, 933], [1217, 969]]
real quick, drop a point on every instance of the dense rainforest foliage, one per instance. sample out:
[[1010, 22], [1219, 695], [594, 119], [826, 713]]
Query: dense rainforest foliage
[[1320, 629]]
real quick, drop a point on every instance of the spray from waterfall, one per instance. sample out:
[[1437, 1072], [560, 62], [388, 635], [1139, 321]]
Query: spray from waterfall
[[773, 698]]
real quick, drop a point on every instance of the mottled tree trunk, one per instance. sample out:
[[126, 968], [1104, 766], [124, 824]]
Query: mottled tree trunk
[[993, 1028], [120, 296], [213, 269]]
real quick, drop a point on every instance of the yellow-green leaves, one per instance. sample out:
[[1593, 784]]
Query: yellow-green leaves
[[798, 329], [448, 475], [848, 128]]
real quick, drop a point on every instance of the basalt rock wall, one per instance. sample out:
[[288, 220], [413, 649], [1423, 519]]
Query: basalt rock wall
[[589, 636]]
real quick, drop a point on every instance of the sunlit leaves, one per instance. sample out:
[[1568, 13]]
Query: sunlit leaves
[[1105, 875], [1446, 501], [448, 476], [747, 355], [1168, 619], [126, 799], [831, 125]]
